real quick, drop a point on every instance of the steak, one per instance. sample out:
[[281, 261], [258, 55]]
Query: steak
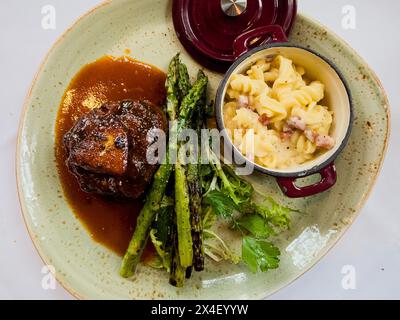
[[106, 148]]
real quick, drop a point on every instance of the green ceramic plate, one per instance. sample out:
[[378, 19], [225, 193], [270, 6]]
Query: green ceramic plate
[[88, 270]]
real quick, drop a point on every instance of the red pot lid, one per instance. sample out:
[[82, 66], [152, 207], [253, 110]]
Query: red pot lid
[[208, 28]]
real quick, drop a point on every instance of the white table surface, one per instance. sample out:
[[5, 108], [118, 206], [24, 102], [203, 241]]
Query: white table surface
[[371, 246]]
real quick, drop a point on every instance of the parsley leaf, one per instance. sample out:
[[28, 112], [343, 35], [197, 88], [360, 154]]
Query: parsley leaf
[[259, 254], [222, 204], [256, 225]]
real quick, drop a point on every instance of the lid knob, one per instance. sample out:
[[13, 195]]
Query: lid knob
[[233, 8]]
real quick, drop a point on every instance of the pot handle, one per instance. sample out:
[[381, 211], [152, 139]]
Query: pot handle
[[328, 180], [241, 43]]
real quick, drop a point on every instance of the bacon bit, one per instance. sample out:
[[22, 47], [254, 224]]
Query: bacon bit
[[321, 141], [310, 134], [325, 142], [243, 101], [296, 123], [264, 119], [286, 135], [287, 129]]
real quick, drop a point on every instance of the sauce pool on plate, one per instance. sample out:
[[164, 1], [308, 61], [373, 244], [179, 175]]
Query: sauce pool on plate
[[110, 222]]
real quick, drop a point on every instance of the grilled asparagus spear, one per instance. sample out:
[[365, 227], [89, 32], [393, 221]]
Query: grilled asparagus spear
[[182, 200], [145, 219], [185, 243], [195, 191], [178, 273], [172, 89], [157, 189], [183, 81]]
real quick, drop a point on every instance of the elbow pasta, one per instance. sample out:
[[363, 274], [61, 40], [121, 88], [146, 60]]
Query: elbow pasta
[[274, 116]]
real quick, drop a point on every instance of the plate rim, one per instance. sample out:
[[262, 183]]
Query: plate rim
[[24, 211]]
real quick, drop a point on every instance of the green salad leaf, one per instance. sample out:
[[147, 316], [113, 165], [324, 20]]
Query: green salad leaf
[[222, 205], [259, 254], [278, 215], [241, 189], [161, 231], [217, 249], [227, 195], [255, 225]]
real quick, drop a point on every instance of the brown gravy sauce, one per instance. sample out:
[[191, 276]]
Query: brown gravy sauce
[[108, 79]]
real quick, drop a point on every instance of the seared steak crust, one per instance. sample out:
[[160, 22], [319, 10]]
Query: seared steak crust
[[106, 148]]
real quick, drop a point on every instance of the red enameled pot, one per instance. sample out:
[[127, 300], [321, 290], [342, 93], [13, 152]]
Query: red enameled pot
[[339, 97]]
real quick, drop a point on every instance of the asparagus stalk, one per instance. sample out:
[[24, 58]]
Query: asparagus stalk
[[145, 219], [183, 81], [172, 90], [189, 272], [196, 221], [182, 202], [185, 244], [195, 191], [190, 101], [157, 189], [178, 273], [184, 86]]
